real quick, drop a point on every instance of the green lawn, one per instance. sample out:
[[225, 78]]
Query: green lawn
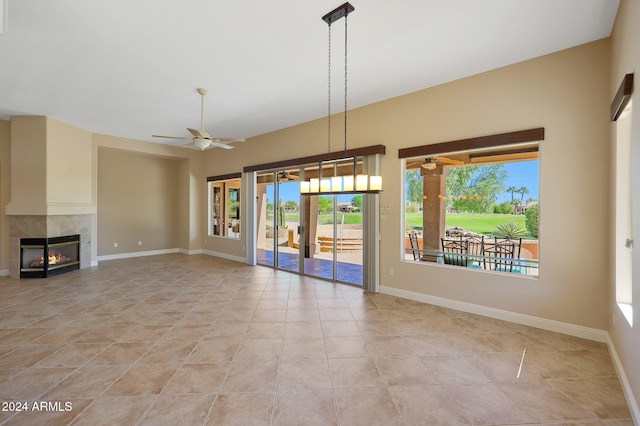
[[349, 218], [475, 222], [326, 219]]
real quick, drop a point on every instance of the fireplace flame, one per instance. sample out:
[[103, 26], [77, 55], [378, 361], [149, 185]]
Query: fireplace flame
[[54, 259], [57, 257]]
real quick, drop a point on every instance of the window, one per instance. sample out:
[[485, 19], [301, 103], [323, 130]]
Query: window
[[623, 243], [224, 206], [621, 108], [476, 207]]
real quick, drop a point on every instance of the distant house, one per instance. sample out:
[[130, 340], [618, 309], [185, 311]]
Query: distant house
[[345, 206], [522, 209]]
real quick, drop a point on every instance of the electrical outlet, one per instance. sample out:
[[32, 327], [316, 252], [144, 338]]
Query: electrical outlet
[[139, 243], [391, 272], [115, 244]]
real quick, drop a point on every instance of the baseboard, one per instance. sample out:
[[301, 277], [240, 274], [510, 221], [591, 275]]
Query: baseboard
[[94, 263], [137, 254], [626, 387], [225, 256], [4, 272], [168, 251], [545, 324], [190, 252]]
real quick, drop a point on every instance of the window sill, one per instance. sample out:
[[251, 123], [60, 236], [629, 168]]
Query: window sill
[[627, 311]]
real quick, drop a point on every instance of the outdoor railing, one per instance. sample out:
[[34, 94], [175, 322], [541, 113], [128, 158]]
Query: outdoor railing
[[525, 266]]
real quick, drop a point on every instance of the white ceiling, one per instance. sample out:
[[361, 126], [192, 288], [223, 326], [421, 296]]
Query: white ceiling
[[130, 67]]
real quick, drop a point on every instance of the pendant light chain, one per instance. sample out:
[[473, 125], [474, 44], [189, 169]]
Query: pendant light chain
[[329, 100], [338, 182], [345, 84]]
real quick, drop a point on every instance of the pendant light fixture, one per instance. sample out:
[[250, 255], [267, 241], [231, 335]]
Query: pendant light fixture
[[349, 184]]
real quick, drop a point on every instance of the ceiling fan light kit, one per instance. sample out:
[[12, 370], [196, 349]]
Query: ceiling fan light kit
[[201, 143], [350, 184], [201, 139], [429, 164]]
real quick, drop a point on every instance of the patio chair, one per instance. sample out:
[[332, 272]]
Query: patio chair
[[475, 249], [415, 247], [517, 244], [500, 255], [455, 252]]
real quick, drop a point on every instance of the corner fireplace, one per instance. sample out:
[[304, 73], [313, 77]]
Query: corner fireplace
[[45, 257]]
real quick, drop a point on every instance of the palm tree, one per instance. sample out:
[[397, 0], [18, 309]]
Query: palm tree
[[512, 189], [523, 190]]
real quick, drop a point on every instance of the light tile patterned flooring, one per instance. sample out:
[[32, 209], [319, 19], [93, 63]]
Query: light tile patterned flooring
[[192, 340]]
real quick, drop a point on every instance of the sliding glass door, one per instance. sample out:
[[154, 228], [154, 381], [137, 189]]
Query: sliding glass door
[[320, 236], [265, 220], [286, 216], [278, 210]]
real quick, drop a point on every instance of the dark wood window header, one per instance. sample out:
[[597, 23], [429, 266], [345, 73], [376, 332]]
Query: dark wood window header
[[356, 152], [481, 142], [622, 98], [224, 177]]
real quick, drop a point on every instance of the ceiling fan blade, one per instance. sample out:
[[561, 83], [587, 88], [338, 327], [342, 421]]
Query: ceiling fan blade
[[227, 140], [199, 133], [168, 137], [449, 161], [221, 145]]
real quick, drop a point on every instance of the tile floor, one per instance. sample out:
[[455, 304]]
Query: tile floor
[[194, 340]]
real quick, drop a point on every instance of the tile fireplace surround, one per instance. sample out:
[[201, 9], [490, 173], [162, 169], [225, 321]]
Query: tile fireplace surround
[[25, 226]]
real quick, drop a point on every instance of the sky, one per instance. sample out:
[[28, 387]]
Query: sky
[[521, 173]]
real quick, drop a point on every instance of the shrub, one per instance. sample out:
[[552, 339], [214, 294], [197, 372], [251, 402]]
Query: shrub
[[509, 230], [531, 220], [504, 208], [412, 208]]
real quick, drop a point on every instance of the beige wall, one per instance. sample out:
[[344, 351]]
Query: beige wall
[[5, 193], [180, 170], [136, 202], [566, 93], [29, 164], [68, 171], [626, 59], [52, 168]]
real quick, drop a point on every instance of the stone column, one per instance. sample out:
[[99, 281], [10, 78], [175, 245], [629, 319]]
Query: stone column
[[310, 225], [433, 207]]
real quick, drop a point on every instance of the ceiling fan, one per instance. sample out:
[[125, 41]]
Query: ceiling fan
[[431, 163], [284, 176], [201, 139]]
